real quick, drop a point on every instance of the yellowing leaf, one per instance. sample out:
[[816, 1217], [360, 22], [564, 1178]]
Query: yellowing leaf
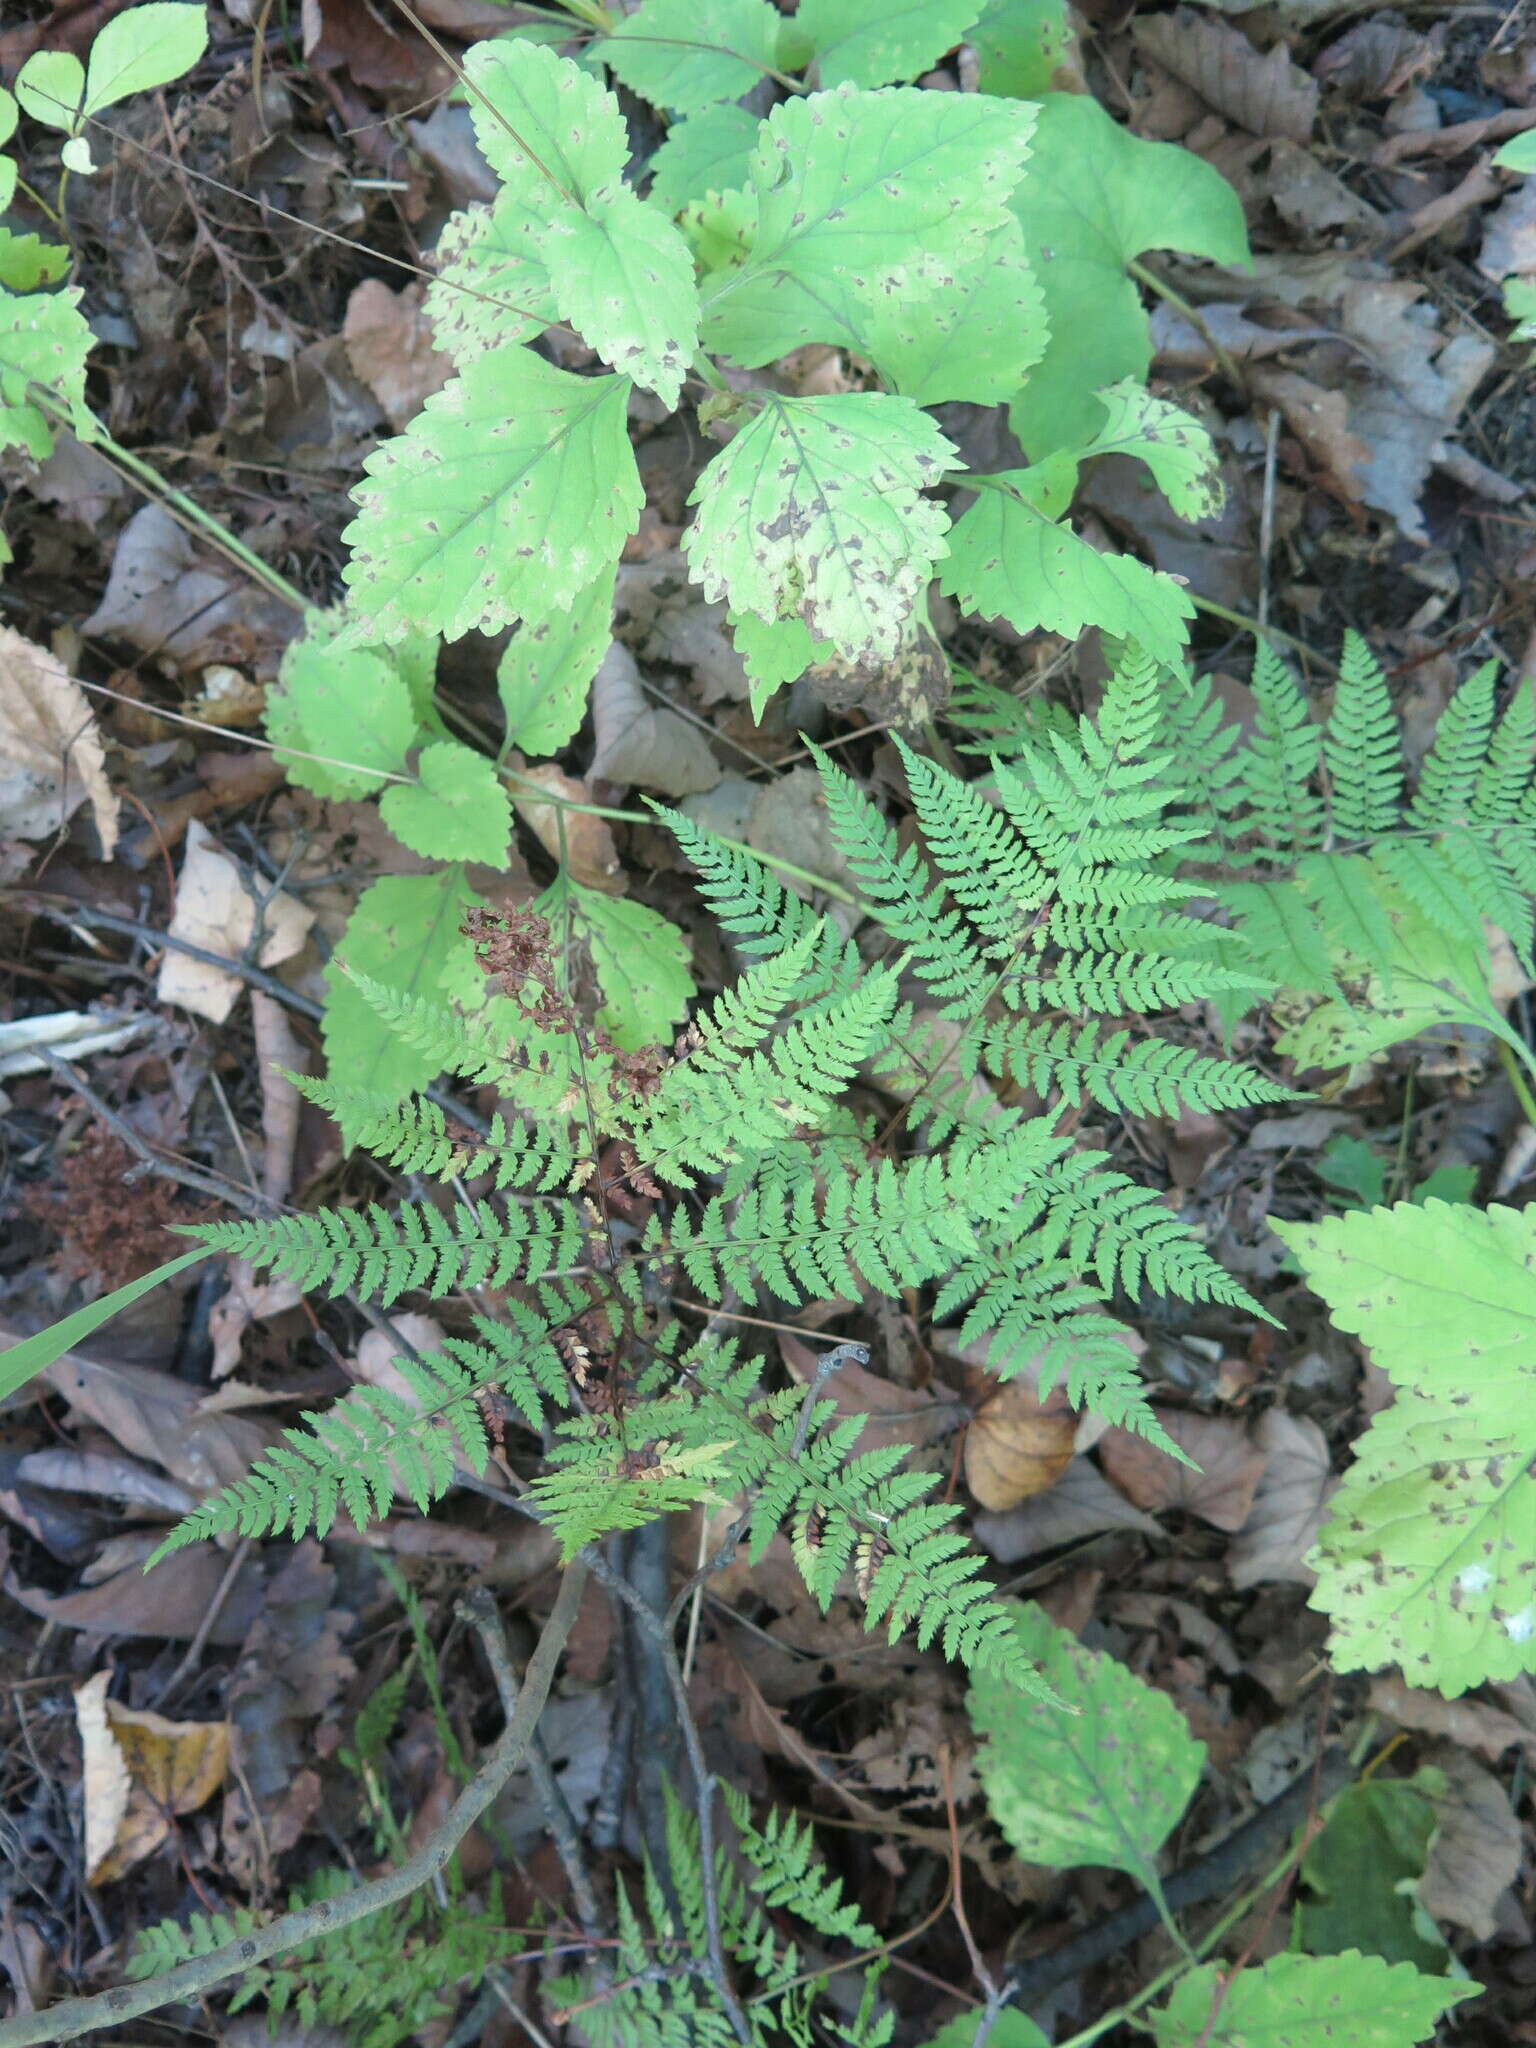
[[141, 1771], [1017, 1446]]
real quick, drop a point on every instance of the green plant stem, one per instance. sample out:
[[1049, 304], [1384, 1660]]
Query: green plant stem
[[76, 2016], [1517, 1081], [1251, 625], [186, 509], [1193, 315]]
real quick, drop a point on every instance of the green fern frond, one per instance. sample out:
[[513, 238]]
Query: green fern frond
[[467, 1048], [1280, 761], [1505, 776], [417, 1137], [745, 895], [790, 1877], [1448, 779], [991, 873], [1124, 1074], [383, 1254], [1363, 748]]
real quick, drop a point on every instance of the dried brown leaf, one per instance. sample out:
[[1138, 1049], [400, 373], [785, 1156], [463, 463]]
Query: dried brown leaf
[[1018, 1446], [643, 743], [1475, 1855], [390, 347], [216, 912], [1265, 93], [1288, 1507], [51, 755], [1081, 1503], [584, 843], [1220, 1492]]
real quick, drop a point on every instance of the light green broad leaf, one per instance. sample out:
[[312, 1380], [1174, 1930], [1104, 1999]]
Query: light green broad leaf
[[1519, 153], [1345, 2001], [815, 511], [455, 810], [618, 270], [510, 491], [50, 87], [1010, 560], [142, 49], [1104, 1782], [877, 42], [1428, 1559], [859, 194], [1010, 2029], [774, 653], [27, 261], [976, 341], [1022, 47], [709, 152], [345, 718], [685, 55], [404, 933], [641, 961], [44, 343], [492, 284], [547, 669], [1092, 199], [1176, 448]]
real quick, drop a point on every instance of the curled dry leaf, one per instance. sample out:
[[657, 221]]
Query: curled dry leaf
[[1081, 1503], [643, 743], [156, 1417], [581, 841], [1470, 1724], [1475, 1855], [1221, 1492], [169, 1604], [215, 911], [141, 1771], [1017, 1445], [164, 600], [918, 1416], [390, 347], [1296, 1486], [51, 756], [1266, 94]]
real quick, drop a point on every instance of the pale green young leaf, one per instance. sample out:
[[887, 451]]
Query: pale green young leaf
[[1009, 560], [27, 261], [1023, 48], [1519, 153], [623, 276], [878, 42], [774, 653], [640, 960], [456, 810], [405, 934], [352, 707], [1011, 2029], [618, 270], [511, 490], [1105, 1782], [76, 156], [50, 87], [685, 55], [815, 510], [9, 115], [1093, 198], [44, 343], [492, 284], [7, 192], [144, 48], [1429, 1557], [976, 341], [547, 669], [1178, 450], [1520, 305], [1293, 2001], [859, 194], [709, 152]]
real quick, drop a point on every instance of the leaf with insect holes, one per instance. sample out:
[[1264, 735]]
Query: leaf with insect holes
[[1092, 199], [1009, 559], [44, 343], [545, 674], [640, 960], [514, 486], [405, 934], [1293, 2001], [492, 286], [876, 42], [1428, 1558], [858, 195], [709, 152], [457, 810], [815, 511], [976, 341], [618, 270], [685, 55], [360, 709], [1104, 1783]]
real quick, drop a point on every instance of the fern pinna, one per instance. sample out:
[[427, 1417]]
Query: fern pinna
[[1003, 985]]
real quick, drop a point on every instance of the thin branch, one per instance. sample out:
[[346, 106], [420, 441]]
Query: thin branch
[[76, 2016]]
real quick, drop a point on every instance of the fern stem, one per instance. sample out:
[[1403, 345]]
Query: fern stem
[[1517, 1080], [1251, 625]]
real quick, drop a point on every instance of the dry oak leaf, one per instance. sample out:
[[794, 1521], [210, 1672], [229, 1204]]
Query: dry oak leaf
[[141, 1771], [1266, 94], [1018, 1446], [51, 756], [1221, 1492]]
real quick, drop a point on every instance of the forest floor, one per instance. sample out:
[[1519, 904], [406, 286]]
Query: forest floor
[[252, 260]]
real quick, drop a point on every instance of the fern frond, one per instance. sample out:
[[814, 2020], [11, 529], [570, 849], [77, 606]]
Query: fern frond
[[745, 895], [991, 873], [1505, 776], [1448, 779], [1363, 748], [790, 1876], [466, 1047], [383, 1254], [1279, 763], [417, 1137], [1121, 1073]]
